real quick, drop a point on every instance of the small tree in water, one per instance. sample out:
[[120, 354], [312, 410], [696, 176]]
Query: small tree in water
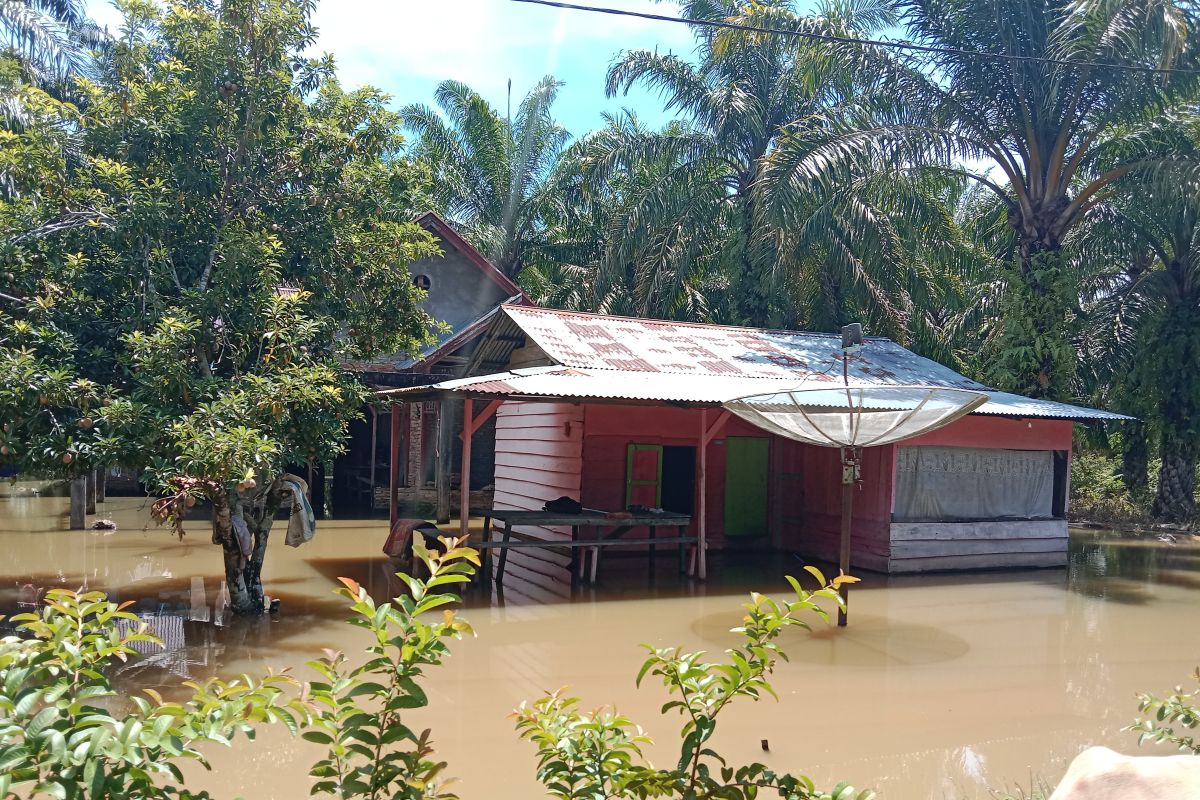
[[232, 228]]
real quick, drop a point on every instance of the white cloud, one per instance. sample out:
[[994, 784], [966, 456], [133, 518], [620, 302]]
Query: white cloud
[[406, 47], [481, 42]]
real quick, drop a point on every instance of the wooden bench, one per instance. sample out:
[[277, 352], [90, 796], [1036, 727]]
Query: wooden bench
[[619, 525]]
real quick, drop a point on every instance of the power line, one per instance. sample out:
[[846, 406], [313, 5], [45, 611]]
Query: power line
[[824, 37]]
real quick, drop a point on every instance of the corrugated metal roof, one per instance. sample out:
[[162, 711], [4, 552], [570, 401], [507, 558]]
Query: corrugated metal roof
[[619, 358]]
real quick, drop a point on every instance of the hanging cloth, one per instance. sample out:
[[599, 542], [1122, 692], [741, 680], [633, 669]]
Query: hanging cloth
[[302, 524]]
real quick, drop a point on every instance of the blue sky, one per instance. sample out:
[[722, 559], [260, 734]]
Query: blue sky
[[406, 47]]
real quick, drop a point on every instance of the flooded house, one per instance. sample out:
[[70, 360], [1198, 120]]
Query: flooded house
[[463, 288], [618, 414]]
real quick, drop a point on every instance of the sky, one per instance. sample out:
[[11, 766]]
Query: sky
[[407, 47]]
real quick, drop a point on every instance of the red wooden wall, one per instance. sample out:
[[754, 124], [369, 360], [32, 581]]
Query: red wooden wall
[[544, 450], [1010, 434]]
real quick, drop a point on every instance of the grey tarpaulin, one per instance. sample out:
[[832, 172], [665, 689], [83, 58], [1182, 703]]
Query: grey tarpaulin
[[943, 484]]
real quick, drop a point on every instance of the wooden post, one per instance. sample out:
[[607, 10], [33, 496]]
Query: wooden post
[[464, 505], [707, 434], [702, 527], [102, 485], [394, 469], [91, 492], [78, 501], [374, 449], [445, 434]]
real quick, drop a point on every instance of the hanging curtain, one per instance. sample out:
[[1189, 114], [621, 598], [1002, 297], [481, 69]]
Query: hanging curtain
[[944, 484]]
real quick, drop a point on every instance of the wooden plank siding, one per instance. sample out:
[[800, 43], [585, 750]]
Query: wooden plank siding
[[539, 456], [927, 546]]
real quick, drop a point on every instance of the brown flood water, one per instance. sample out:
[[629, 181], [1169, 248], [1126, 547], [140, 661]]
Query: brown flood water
[[941, 687]]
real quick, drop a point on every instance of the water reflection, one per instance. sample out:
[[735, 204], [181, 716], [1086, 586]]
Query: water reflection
[[942, 686]]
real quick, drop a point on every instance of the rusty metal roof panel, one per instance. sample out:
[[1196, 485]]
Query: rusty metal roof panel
[[598, 342], [621, 358], [571, 383]]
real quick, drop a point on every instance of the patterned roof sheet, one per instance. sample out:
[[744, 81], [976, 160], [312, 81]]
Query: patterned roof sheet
[[655, 346], [619, 358]]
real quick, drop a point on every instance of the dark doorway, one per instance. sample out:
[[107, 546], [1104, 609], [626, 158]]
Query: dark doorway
[[679, 479]]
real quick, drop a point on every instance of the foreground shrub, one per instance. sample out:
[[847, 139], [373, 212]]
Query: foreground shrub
[[1181, 709], [65, 734], [60, 735], [371, 753], [597, 754]]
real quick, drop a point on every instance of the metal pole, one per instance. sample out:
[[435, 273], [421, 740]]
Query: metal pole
[[849, 476], [702, 523]]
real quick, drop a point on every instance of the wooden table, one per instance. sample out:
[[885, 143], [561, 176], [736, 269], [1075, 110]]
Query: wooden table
[[588, 518]]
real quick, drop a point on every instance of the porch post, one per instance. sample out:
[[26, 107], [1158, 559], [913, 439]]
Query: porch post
[[374, 448], [394, 469], [702, 526], [464, 505]]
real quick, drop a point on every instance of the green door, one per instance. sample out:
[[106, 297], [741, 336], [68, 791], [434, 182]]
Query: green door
[[746, 486]]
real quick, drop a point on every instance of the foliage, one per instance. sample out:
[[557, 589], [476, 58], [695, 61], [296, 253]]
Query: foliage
[[1036, 113], [491, 171], [50, 39], [1037, 326], [707, 219], [230, 232], [359, 709], [1182, 709], [60, 735], [1099, 494], [597, 754]]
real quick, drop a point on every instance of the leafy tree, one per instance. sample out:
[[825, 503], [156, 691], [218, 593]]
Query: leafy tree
[[1142, 255], [490, 171], [1039, 111], [248, 226]]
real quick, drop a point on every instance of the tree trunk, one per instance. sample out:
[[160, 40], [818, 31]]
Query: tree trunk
[[1134, 456], [243, 573], [1035, 349], [755, 301], [78, 502], [91, 492], [1176, 498], [1177, 354]]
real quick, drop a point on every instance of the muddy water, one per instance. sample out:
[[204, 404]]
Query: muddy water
[[941, 687]]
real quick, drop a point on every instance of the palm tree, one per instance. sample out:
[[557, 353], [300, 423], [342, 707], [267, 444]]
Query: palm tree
[[491, 172], [50, 38], [747, 94], [1037, 107], [602, 255], [1143, 257]]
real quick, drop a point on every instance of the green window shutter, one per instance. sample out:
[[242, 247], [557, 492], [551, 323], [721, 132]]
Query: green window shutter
[[643, 475]]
